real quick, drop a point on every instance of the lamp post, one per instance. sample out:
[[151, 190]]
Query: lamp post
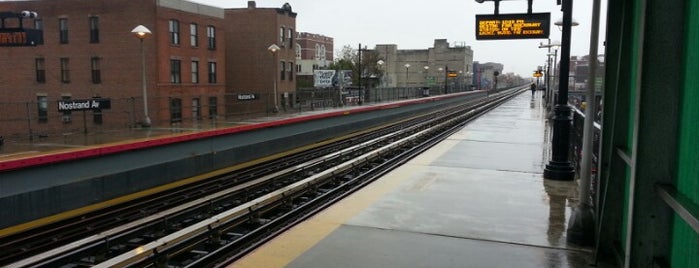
[[550, 84], [427, 69], [469, 80], [560, 168], [446, 79], [440, 69], [141, 33], [273, 50], [380, 63], [407, 65]]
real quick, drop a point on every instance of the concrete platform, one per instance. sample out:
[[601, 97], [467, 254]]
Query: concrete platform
[[478, 199]]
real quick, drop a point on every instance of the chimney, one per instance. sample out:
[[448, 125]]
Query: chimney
[[251, 4]]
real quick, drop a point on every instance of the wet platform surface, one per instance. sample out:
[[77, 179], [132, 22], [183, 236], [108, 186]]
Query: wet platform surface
[[477, 199]]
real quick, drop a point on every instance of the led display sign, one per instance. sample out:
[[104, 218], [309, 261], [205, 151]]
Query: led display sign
[[513, 26]]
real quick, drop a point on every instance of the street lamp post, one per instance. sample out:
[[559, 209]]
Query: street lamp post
[[469, 80], [560, 168], [553, 78], [142, 32], [446, 79], [427, 69], [407, 65], [380, 63], [273, 50]]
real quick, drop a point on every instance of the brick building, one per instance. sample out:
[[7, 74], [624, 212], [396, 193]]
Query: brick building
[[258, 79], [89, 51], [313, 51]]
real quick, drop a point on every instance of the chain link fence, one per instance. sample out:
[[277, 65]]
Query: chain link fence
[[41, 118]]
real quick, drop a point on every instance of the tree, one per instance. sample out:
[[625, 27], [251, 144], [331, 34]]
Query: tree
[[345, 60], [371, 71], [348, 59]]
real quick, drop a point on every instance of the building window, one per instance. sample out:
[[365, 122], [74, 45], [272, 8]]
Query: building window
[[40, 70], [174, 32], [195, 72], [290, 68], [63, 31], [65, 70], [298, 68], [175, 110], [298, 51], [96, 72], [38, 24], [281, 36], [65, 118], [317, 56], [282, 69], [211, 37], [42, 105], [213, 107], [196, 107], [175, 75], [193, 35], [212, 72], [94, 30], [290, 35]]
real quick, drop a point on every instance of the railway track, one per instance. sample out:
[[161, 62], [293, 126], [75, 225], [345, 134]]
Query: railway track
[[221, 218]]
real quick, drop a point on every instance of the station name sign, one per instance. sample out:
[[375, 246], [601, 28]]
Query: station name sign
[[20, 37], [82, 105], [513, 26], [248, 97]]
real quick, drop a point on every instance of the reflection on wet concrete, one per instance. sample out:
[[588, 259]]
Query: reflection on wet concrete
[[478, 199]]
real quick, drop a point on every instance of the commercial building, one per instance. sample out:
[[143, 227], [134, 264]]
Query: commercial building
[[89, 51], [426, 67]]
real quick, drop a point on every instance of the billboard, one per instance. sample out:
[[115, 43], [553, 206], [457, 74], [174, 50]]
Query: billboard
[[323, 78]]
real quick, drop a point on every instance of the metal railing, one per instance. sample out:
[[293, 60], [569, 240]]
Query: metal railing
[[576, 152]]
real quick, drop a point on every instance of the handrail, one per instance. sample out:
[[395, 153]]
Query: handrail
[[681, 204]]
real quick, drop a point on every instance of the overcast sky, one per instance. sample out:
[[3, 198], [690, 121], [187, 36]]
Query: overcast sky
[[414, 24]]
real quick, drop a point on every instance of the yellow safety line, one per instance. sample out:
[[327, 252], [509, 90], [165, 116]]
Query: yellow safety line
[[284, 249]]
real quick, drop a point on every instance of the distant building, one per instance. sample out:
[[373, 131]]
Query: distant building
[[426, 67], [579, 72], [254, 72], [313, 52], [484, 75], [90, 52]]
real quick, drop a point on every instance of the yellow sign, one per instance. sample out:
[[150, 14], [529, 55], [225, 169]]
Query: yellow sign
[[512, 26], [538, 74]]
